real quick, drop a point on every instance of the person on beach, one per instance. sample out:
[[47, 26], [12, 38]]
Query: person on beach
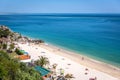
[[82, 58]]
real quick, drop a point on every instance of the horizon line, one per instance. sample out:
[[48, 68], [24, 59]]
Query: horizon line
[[52, 13]]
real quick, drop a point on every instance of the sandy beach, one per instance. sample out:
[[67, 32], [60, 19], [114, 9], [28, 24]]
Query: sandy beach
[[73, 63]]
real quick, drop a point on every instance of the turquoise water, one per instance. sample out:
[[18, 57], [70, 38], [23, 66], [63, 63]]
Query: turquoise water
[[96, 36]]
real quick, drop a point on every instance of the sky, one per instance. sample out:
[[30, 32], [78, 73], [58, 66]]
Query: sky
[[60, 6]]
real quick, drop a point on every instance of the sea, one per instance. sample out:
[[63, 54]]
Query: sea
[[93, 35]]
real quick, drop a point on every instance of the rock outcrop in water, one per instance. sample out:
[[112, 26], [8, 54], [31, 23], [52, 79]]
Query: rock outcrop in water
[[7, 35]]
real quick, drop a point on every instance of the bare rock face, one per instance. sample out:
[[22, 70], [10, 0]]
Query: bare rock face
[[9, 35], [2, 27]]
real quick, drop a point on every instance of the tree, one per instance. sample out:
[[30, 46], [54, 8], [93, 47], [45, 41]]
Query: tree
[[3, 72], [12, 46], [42, 61], [0, 46], [10, 50], [4, 46], [12, 69], [29, 73]]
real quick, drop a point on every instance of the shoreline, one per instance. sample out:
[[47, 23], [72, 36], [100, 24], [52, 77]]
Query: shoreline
[[88, 62], [71, 62], [76, 53], [80, 59], [69, 51]]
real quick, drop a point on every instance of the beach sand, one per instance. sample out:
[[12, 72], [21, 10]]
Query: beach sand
[[73, 63]]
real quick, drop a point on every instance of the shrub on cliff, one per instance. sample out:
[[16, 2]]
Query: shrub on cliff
[[4, 46], [4, 33], [12, 46]]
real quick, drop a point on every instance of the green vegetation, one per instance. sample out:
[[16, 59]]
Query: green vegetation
[[12, 54], [12, 69], [18, 51], [0, 46], [42, 61], [20, 36], [12, 46], [4, 33], [4, 46]]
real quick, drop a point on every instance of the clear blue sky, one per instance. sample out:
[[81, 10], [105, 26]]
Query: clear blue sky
[[60, 6]]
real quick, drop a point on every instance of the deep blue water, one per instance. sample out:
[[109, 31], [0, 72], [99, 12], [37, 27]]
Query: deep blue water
[[94, 36]]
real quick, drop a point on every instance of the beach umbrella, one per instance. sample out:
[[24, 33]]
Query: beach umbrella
[[26, 53], [22, 51]]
